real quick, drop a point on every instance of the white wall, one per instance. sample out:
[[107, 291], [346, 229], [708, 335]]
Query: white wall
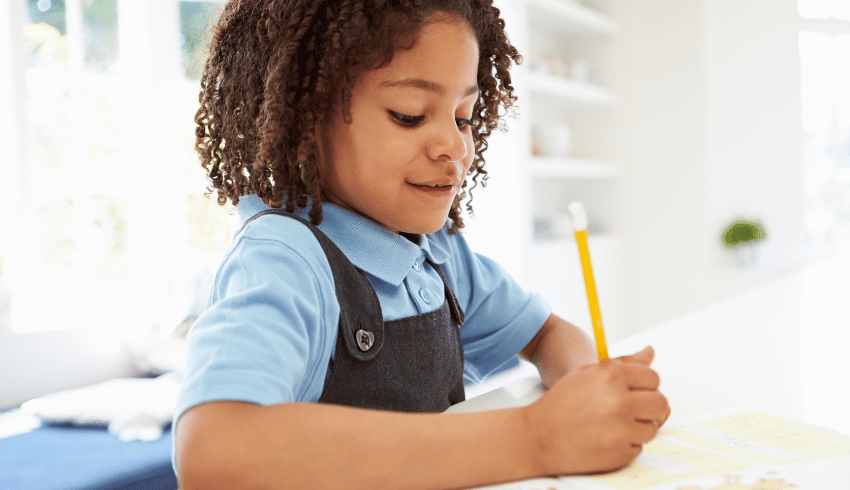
[[753, 122], [713, 134], [665, 158]]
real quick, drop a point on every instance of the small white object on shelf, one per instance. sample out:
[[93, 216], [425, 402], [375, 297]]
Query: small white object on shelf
[[555, 140]]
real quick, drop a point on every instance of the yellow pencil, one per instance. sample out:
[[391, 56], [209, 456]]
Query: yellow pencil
[[579, 218]]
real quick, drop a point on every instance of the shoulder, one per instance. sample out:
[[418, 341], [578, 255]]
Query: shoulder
[[280, 236], [272, 308], [273, 251], [267, 228]]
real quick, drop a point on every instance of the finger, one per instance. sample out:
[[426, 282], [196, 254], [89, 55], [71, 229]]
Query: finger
[[666, 416], [639, 377], [644, 431], [644, 357], [650, 405]]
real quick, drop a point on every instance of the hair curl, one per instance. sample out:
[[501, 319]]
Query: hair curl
[[278, 67]]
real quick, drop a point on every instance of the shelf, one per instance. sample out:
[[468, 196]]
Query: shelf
[[571, 168], [567, 89], [570, 16], [557, 228], [566, 239]]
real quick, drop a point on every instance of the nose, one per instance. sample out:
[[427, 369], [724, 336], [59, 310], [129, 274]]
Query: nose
[[448, 142]]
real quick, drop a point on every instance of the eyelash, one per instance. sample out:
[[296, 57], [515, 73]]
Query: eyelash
[[413, 121], [463, 123], [405, 120]]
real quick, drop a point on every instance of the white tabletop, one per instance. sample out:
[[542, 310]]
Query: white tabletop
[[782, 347]]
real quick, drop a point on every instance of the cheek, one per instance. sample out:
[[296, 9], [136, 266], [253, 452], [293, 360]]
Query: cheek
[[394, 149]]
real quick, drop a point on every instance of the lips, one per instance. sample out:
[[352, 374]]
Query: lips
[[438, 184], [436, 187]]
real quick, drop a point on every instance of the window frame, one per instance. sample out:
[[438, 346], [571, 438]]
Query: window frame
[[820, 244]]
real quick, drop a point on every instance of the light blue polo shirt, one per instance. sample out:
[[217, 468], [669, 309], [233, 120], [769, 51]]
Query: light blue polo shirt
[[271, 321]]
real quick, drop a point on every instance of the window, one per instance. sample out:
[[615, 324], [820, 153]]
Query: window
[[825, 85], [824, 9], [104, 221]]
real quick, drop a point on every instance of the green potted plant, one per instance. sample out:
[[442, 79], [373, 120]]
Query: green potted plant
[[743, 237]]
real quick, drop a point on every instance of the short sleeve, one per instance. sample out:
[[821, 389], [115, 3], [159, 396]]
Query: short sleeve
[[265, 331], [501, 317]]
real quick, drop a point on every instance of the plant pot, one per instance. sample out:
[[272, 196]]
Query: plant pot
[[747, 255]]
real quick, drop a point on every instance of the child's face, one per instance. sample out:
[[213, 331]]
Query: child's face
[[402, 159]]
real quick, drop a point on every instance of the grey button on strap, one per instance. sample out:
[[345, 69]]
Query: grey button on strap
[[365, 340]]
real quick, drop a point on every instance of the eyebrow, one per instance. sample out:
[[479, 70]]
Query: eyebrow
[[426, 85]]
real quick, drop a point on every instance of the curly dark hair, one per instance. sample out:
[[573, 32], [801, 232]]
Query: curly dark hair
[[278, 67]]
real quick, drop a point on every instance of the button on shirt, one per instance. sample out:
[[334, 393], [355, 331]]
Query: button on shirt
[[271, 322]]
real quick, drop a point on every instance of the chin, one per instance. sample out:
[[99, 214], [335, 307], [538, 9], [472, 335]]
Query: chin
[[425, 228]]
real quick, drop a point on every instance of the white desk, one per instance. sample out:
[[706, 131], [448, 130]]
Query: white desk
[[783, 347]]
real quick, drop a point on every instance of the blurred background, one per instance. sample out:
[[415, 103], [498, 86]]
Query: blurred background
[[671, 120]]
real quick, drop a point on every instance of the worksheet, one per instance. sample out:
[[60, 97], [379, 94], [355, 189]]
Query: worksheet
[[735, 449]]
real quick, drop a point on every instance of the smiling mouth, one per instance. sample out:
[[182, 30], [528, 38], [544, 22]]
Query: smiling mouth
[[433, 187]]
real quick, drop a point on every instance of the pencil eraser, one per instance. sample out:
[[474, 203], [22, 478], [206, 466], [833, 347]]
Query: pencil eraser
[[578, 215]]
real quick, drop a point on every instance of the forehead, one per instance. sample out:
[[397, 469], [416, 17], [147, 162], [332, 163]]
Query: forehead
[[445, 53]]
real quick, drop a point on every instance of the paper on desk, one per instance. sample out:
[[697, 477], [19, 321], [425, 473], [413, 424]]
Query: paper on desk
[[734, 449], [519, 393]]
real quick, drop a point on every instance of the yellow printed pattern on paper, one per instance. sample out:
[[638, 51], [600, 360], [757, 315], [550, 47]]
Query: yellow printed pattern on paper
[[733, 482], [666, 462], [764, 438]]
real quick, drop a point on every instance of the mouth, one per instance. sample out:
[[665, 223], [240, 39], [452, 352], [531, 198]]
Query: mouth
[[435, 187]]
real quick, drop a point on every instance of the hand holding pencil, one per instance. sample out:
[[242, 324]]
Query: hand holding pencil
[[597, 418]]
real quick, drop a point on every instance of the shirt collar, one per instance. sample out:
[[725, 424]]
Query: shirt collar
[[368, 245]]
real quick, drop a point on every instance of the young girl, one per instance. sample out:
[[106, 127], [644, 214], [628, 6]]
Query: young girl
[[349, 308]]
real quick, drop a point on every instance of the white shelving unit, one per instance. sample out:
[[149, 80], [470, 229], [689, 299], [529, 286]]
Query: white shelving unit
[[568, 89], [568, 105]]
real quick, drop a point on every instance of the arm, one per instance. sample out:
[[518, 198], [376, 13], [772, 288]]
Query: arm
[[594, 419], [230, 445], [559, 348]]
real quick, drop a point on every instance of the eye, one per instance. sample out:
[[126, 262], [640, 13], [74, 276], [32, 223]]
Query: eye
[[405, 120], [463, 123]]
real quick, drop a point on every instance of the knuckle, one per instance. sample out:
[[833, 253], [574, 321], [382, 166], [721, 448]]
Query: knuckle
[[663, 405], [658, 404], [654, 377], [613, 372]]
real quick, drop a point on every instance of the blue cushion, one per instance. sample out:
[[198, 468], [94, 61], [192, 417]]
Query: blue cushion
[[55, 457]]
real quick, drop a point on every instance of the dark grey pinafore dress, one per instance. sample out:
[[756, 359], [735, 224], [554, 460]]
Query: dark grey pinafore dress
[[413, 364]]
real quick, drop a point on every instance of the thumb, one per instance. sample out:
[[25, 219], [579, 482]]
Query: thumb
[[644, 357]]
